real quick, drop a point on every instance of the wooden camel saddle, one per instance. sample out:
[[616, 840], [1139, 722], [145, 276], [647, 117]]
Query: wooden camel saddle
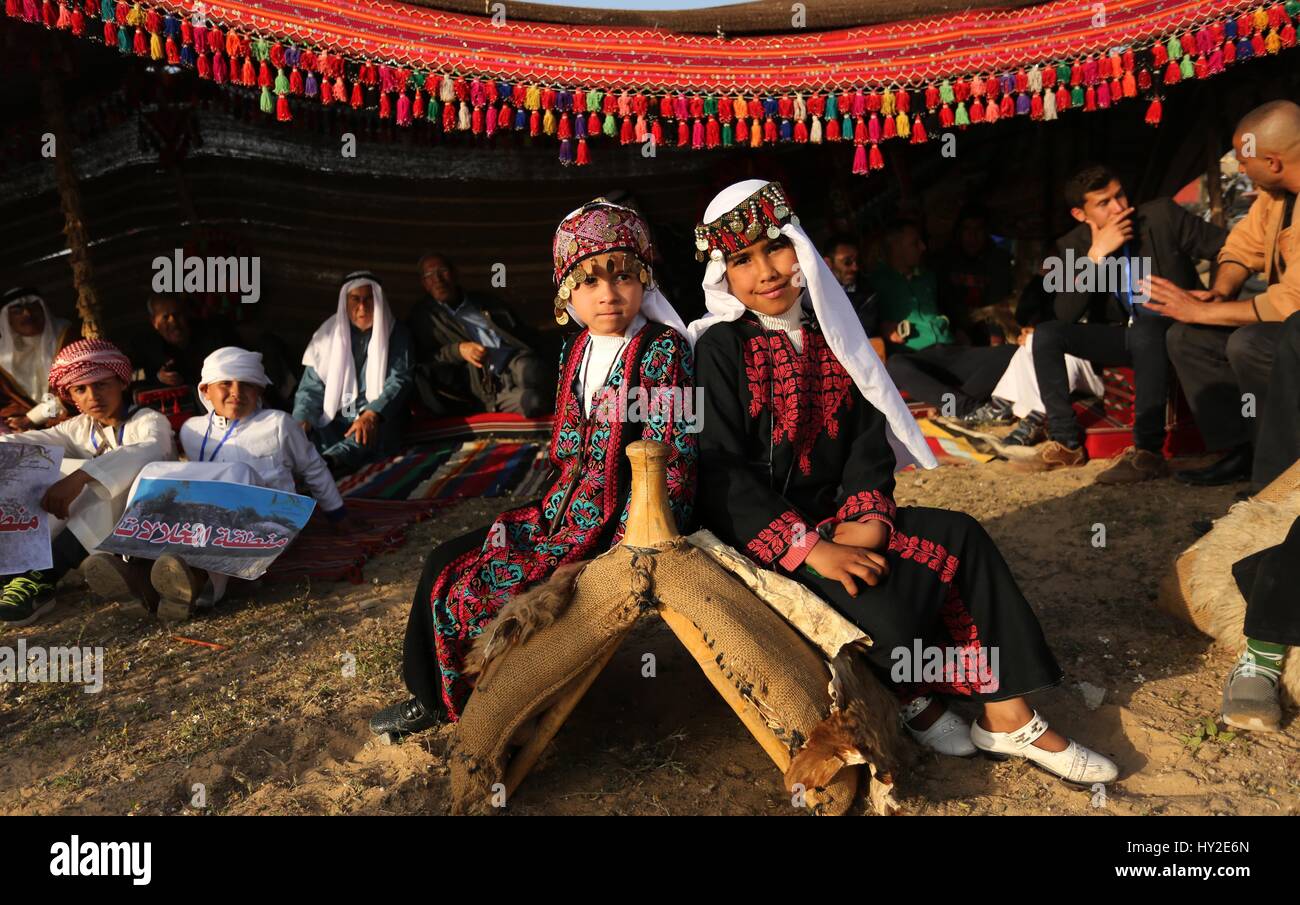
[[819, 714]]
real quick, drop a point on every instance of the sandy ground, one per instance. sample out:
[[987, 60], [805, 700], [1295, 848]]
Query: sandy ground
[[274, 722]]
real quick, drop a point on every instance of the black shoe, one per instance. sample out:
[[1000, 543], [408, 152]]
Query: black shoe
[[404, 718], [26, 598], [1031, 431], [995, 411], [1233, 467]]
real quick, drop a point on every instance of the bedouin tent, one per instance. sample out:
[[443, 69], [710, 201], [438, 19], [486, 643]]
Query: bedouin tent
[[489, 96]]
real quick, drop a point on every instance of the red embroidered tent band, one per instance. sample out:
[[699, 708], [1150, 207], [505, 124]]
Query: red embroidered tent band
[[861, 85]]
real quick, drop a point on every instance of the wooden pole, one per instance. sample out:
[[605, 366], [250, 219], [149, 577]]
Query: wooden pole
[[74, 227]]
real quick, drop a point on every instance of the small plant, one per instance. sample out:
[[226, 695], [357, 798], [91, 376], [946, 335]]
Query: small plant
[[1207, 730]]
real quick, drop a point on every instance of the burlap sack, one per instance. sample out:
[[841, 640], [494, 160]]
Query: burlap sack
[[773, 669]]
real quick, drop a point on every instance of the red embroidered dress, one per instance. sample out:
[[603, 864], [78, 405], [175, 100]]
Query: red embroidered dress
[[582, 513], [790, 448]]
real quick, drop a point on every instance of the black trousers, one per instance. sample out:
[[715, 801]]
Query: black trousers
[[1109, 345], [1217, 367], [1268, 581], [1277, 446], [419, 661], [968, 373]]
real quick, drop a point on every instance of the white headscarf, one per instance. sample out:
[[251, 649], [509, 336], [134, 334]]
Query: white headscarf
[[329, 353], [27, 359], [231, 363], [839, 324], [654, 304]]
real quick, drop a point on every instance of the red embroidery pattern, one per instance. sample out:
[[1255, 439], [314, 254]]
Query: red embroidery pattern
[[963, 676], [869, 502], [803, 391], [926, 553], [956, 618], [773, 540]]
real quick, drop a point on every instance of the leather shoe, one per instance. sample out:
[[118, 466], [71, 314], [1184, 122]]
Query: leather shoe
[[1233, 467], [404, 718]]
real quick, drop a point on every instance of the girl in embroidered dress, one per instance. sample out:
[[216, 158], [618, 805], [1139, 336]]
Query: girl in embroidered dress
[[633, 344], [802, 433]]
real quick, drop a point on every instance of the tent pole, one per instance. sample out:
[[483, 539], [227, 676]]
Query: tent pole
[[74, 227]]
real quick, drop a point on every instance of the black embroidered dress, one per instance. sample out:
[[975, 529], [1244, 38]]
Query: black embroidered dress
[[789, 446]]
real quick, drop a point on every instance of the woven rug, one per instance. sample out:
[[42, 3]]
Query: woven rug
[[449, 472], [322, 553]]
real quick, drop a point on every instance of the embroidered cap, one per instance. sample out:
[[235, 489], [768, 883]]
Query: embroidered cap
[[761, 214], [598, 227]]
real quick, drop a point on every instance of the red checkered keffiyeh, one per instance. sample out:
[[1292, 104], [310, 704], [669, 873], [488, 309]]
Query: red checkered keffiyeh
[[87, 361]]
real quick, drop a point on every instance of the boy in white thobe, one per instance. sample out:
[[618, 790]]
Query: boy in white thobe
[[105, 447]]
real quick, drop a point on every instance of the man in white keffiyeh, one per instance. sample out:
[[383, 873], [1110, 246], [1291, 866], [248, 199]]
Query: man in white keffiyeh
[[353, 392]]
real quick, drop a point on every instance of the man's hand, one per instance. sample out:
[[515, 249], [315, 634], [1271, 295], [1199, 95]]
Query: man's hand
[[474, 353], [1023, 336], [1175, 302], [890, 329], [1107, 240], [63, 493], [20, 423], [841, 563], [365, 429], [872, 534], [170, 378]]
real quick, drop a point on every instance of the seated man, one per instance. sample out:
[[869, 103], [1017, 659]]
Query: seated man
[[30, 337], [1222, 348], [353, 394], [238, 441], [841, 256], [470, 355], [924, 359], [104, 449], [974, 273], [1100, 316], [171, 352]]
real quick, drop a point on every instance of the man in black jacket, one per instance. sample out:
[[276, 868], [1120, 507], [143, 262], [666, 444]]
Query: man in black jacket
[[470, 356], [1101, 315]]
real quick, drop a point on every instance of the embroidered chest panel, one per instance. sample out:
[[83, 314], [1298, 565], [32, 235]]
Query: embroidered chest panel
[[804, 392]]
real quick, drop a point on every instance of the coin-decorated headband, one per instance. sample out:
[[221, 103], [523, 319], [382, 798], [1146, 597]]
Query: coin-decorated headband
[[761, 214], [598, 227]]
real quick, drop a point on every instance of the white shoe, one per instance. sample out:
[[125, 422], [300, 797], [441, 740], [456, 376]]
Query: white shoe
[[1075, 764], [947, 735]]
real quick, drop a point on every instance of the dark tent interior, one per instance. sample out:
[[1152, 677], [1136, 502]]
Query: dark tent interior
[[163, 160]]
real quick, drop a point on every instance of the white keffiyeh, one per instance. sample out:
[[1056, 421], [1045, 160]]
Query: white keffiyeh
[[839, 324], [329, 353]]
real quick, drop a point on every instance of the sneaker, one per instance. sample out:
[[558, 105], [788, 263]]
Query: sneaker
[[1052, 455], [1134, 466], [1031, 431], [113, 578], [405, 718], [1250, 696], [995, 411], [26, 598]]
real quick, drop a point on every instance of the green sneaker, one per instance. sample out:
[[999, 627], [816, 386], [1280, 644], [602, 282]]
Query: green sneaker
[[1250, 698], [26, 598]]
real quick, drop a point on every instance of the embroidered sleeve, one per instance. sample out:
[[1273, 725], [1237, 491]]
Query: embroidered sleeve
[[868, 478], [786, 541]]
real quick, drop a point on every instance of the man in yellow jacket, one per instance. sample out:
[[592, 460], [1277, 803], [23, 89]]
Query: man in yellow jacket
[[1223, 348]]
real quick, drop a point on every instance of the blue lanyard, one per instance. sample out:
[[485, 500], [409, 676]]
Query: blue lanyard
[[204, 446], [94, 437]]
